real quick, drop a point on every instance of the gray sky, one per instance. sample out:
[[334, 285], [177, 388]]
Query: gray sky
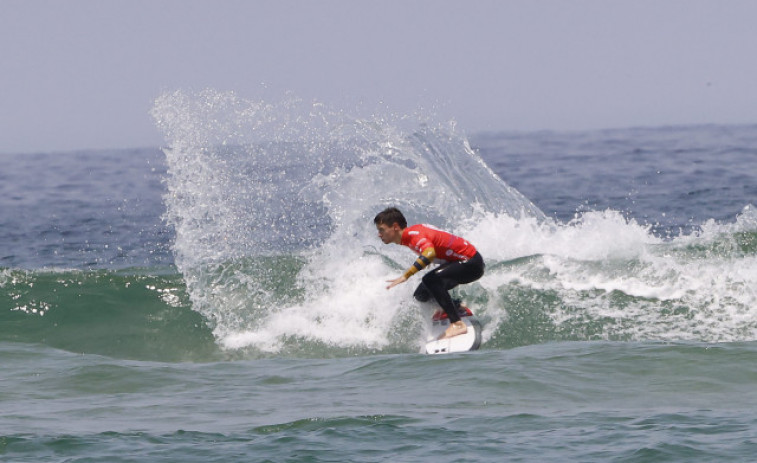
[[83, 74]]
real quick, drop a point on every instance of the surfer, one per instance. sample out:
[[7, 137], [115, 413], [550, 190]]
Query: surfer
[[460, 262]]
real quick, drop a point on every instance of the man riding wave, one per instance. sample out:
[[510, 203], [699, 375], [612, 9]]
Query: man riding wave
[[460, 262]]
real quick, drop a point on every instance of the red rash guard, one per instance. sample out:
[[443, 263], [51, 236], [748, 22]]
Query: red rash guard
[[434, 245]]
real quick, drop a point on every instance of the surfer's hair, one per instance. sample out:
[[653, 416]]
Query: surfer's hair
[[389, 217]]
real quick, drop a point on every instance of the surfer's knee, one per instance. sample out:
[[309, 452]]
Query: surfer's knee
[[422, 294], [431, 280]]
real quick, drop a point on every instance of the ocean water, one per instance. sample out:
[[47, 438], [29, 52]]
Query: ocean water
[[222, 298]]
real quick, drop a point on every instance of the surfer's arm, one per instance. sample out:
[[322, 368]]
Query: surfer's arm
[[424, 260], [427, 256]]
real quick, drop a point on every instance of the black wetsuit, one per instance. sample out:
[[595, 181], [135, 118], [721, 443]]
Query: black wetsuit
[[440, 280]]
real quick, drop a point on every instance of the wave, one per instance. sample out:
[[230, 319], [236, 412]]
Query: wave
[[601, 277], [276, 253], [131, 313], [272, 205], [248, 180]]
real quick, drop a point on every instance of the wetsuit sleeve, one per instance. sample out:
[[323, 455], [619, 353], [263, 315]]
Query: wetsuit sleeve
[[427, 256]]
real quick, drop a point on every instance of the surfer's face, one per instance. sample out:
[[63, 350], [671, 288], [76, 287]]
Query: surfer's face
[[389, 233]]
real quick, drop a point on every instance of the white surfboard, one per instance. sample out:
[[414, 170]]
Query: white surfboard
[[461, 343]]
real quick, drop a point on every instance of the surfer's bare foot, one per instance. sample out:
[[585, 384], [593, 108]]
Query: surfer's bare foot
[[454, 329]]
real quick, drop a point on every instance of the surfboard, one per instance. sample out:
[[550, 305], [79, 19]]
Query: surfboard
[[462, 343]]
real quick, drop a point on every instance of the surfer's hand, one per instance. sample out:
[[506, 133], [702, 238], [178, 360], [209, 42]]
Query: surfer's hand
[[395, 282]]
